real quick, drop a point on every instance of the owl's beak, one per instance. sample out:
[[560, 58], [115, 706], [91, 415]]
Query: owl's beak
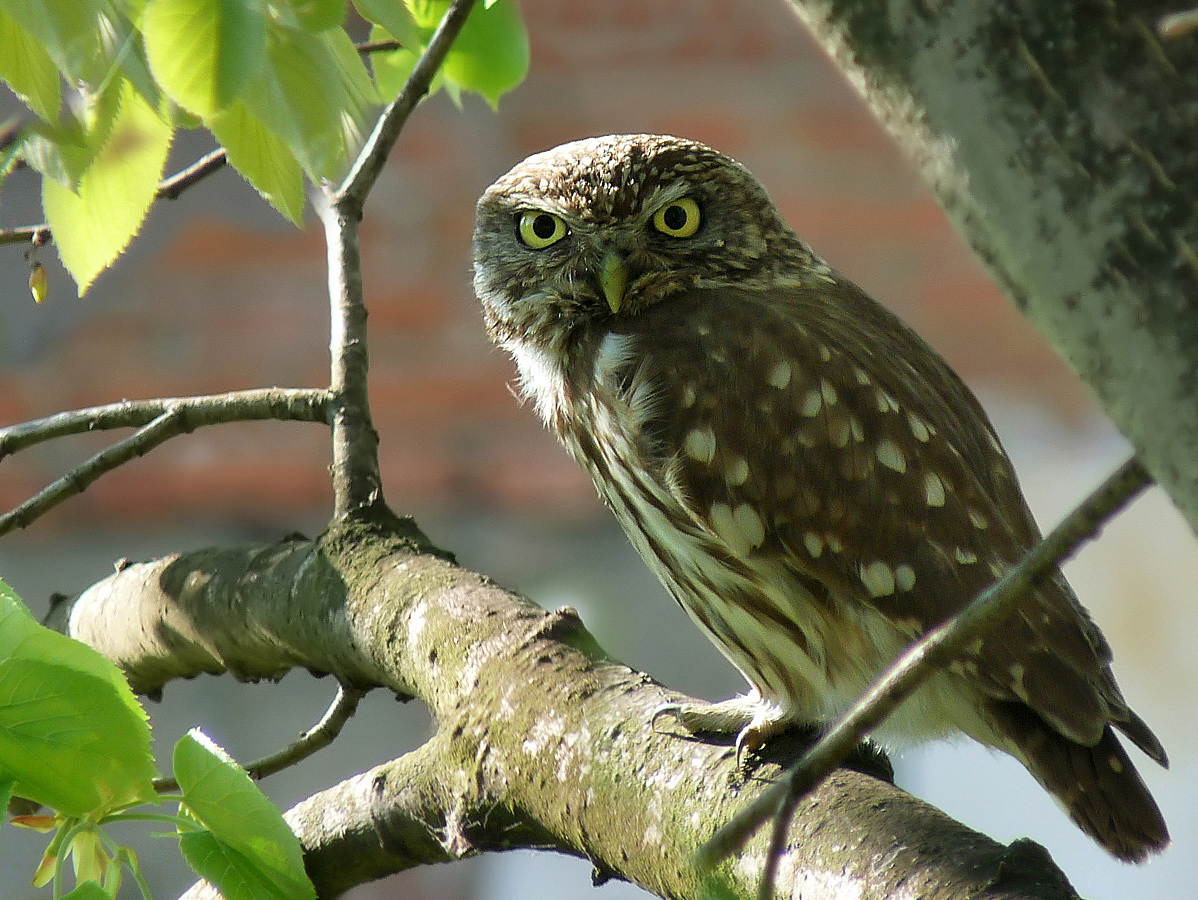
[[613, 279]]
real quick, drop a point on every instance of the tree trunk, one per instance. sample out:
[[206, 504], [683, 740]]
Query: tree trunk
[[1062, 140]]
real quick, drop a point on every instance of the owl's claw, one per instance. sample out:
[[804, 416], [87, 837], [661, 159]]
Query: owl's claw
[[729, 717], [752, 721]]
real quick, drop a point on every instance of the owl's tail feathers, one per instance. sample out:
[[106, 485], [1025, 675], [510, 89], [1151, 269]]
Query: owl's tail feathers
[[1098, 786]]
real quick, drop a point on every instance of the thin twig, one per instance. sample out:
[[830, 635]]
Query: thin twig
[[357, 483], [386, 132], [166, 426], [282, 404], [933, 651], [170, 188], [367, 47], [1178, 24], [25, 233], [316, 738]]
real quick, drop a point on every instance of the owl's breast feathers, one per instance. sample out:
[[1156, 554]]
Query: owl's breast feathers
[[811, 436]]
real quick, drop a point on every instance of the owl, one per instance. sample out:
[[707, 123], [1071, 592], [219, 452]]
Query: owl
[[810, 481]]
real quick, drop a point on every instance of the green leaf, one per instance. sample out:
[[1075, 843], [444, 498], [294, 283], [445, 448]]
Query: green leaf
[[319, 15], [262, 158], [69, 740], [92, 227], [125, 53], [236, 876], [315, 94], [6, 787], [395, 18], [204, 52], [392, 69], [248, 850], [490, 55], [72, 735], [88, 890], [70, 32], [28, 69]]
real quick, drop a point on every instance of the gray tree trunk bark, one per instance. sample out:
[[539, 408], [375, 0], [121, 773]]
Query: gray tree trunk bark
[[1062, 140]]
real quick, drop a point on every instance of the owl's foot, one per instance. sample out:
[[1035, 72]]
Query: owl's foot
[[752, 721], [755, 722]]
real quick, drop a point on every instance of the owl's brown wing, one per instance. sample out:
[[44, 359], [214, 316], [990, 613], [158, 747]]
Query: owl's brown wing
[[812, 429]]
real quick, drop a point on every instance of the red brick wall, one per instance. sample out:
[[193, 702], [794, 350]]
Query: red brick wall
[[219, 296]]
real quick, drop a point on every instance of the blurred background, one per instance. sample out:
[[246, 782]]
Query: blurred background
[[219, 293]]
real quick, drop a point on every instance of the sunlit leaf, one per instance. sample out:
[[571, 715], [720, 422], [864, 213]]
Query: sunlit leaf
[[88, 890], [319, 15], [93, 225], [70, 32], [204, 52], [29, 70], [316, 95], [262, 158], [392, 16], [491, 54], [72, 735], [248, 850]]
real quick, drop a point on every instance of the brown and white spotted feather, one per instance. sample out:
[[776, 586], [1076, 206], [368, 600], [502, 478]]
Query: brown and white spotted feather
[[810, 481]]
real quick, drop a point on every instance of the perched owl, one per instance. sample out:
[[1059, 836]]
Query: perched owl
[[809, 479]]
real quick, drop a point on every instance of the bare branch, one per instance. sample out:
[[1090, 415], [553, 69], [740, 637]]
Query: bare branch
[[39, 234], [161, 429], [370, 161], [282, 404], [316, 738], [172, 187], [356, 480], [932, 652]]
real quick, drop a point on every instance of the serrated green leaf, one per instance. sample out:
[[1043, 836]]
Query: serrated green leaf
[[235, 875], [427, 14], [21, 636], [69, 740], [315, 94], [88, 890], [70, 33], [28, 69], [72, 735], [319, 15], [55, 160], [392, 69], [92, 227], [491, 54], [247, 841], [204, 52], [392, 16], [262, 158]]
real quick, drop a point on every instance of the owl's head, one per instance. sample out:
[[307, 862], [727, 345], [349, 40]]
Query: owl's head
[[606, 226]]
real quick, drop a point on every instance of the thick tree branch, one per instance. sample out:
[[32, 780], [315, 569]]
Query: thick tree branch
[[932, 653], [1059, 140], [542, 740]]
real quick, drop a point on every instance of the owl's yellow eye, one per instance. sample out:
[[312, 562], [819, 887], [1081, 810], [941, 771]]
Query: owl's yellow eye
[[539, 230], [679, 219]]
